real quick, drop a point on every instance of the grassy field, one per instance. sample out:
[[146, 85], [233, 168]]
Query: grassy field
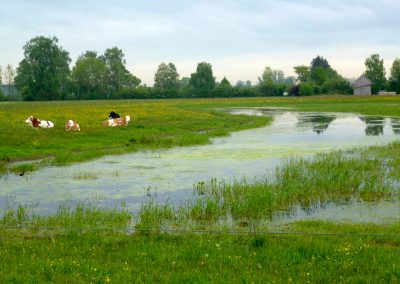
[[91, 245]]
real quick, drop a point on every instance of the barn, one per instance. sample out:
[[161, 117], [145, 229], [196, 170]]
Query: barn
[[362, 86]]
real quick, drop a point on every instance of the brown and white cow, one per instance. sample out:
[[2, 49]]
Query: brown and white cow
[[71, 125], [37, 123], [117, 121]]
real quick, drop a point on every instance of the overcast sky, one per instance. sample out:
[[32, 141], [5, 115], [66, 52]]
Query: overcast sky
[[239, 38]]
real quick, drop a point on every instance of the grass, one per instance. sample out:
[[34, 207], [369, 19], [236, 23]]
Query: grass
[[88, 254], [86, 244]]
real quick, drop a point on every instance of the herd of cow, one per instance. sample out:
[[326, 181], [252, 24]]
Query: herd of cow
[[113, 120]]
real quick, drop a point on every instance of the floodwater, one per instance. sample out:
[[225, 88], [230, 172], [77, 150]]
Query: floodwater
[[169, 175]]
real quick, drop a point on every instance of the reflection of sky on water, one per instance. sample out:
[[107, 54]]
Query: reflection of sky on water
[[384, 211], [172, 173]]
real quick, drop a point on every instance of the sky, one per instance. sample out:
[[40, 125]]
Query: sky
[[238, 38]]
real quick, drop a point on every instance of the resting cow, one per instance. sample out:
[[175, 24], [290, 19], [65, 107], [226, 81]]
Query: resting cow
[[71, 125], [117, 121], [113, 115], [37, 123]]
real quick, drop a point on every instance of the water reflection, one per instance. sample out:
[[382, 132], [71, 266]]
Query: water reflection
[[317, 122], [373, 125], [395, 123], [379, 212]]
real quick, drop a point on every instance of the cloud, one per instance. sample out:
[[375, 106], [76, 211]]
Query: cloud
[[226, 33]]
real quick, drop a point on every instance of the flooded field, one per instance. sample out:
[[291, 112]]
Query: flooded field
[[169, 175]]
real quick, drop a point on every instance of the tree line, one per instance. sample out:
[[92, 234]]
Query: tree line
[[45, 74]]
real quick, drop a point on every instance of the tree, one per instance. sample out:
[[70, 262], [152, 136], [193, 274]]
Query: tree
[[375, 72], [225, 83], [118, 77], [278, 76], [166, 79], [90, 76], [223, 89], [319, 61], [320, 70], [290, 81], [267, 76], [394, 81], [1, 75], [319, 75], [43, 73], [303, 73], [9, 76], [202, 81]]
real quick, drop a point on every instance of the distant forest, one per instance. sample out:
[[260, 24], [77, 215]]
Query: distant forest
[[45, 74]]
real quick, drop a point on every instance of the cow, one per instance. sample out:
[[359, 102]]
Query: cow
[[71, 125], [113, 115], [37, 123], [117, 121]]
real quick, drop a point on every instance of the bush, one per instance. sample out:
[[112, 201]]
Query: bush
[[294, 90], [337, 86], [272, 89], [306, 89]]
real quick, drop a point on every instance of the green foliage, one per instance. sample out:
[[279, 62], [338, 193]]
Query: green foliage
[[223, 89], [202, 82], [271, 89], [44, 71], [267, 76], [394, 81], [118, 77], [336, 85], [271, 76], [166, 80], [320, 62], [319, 75], [375, 71], [306, 89], [320, 78], [303, 73], [225, 83], [90, 76]]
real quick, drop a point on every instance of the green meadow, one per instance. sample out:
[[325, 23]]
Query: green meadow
[[193, 242]]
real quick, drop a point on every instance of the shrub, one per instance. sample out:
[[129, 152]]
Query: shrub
[[306, 89]]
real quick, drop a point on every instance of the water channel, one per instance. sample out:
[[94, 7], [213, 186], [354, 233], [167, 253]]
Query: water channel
[[170, 174]]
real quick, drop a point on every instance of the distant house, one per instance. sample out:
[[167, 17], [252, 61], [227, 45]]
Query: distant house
[[362, 86]]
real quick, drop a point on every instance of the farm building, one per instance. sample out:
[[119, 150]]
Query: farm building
[[362, 86]]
